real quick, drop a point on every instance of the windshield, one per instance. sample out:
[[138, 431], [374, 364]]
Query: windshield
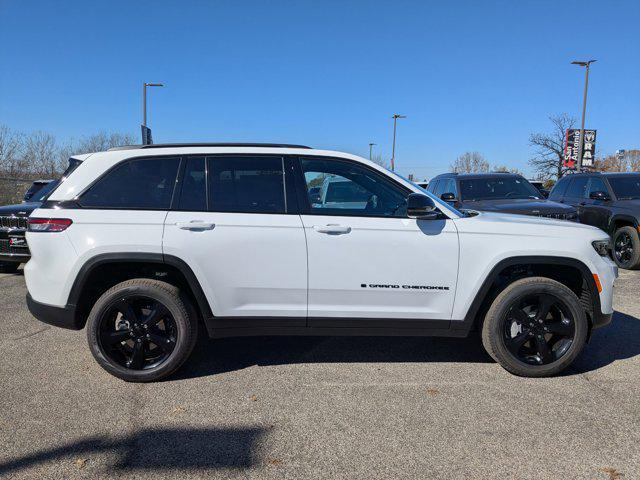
[[430, 195], [494, 188], [45, 191], [627, 187]]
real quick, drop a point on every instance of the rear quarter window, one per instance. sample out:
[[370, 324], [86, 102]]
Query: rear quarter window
[[143, 184]]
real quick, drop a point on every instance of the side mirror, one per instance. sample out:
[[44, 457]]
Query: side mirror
[[599, 195], [421, 207], [448, 197]]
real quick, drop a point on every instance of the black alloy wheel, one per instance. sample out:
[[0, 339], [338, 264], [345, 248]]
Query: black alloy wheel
[[137, 332], [623, 248], [539, 329], [626, 248]]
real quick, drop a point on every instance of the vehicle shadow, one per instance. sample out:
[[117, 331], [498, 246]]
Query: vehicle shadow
[[156, 450], [212, 357], [617, 341]]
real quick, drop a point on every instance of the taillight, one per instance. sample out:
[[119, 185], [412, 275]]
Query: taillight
[[48, 224]]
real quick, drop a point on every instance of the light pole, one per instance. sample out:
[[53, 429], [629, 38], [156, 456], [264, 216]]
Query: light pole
[[584, 108], [371, 150], [393, 149], [144, 107]]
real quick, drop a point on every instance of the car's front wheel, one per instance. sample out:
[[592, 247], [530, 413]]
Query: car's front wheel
[[142, 330], [626, 248], [535, 327]]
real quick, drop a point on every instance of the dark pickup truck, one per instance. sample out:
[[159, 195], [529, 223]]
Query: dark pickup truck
[[498, 192], [13, 225]]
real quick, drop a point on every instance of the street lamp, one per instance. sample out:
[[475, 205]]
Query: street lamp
[[144, 108], [393, 150], [584, 108], [371, 150]]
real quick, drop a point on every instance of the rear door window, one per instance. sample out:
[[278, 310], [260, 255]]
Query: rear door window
[[246, 184], [139, 184], [193, 193]]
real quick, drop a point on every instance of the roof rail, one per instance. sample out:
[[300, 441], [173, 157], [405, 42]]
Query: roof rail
[[178, 145]]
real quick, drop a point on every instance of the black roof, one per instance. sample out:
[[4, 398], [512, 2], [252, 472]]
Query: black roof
[[178, 145], [469, 176], [607, 174]]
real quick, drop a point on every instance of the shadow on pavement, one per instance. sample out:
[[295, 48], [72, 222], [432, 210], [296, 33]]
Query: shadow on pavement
[[617, 341], [212, 357], [157, 449]]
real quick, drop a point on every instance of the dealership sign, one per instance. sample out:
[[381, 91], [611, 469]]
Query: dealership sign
[[572, 145]]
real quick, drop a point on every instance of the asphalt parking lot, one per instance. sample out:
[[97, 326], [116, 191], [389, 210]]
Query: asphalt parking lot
[[318, 408]]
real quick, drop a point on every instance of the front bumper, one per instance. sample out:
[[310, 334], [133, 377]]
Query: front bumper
[[64, 317]]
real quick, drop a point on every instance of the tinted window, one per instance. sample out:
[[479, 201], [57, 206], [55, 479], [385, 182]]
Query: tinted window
[[493, 188], [350, 189], [139, 184], [246, 184], [577, 187], [193, 195], [433, 186], [559, 189], [450, 187], [625, 187], [597, 185]]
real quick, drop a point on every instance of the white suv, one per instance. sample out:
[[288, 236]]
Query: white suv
[[145, 245]]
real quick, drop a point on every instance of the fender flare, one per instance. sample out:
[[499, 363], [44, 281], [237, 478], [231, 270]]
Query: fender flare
[[139, 257], [621, 216], [481, 294]]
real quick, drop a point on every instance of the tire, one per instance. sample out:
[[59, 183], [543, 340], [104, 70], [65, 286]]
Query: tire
[[9, 267], [626, 248], [178, 325], [498, 329]]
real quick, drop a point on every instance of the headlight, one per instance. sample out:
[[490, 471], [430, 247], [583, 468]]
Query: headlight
[[602, 247]]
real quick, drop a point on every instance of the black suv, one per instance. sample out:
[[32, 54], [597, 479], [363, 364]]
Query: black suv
[[497, 192], [610, 201], [13, 225]]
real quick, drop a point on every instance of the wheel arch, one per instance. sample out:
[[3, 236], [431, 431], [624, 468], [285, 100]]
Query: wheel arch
[[622, 220], [510, 269], [105, 270]]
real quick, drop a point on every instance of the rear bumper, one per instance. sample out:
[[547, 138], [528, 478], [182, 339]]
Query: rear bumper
[[64, 317]]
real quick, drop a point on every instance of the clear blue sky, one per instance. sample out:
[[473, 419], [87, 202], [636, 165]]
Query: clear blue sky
[[469, 75]]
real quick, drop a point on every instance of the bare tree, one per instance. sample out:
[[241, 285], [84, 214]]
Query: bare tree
[[628, 162], [11, 146], [470, 162], [504, 168], [377, 158], [104, 141], [549, 147], [41, 154]]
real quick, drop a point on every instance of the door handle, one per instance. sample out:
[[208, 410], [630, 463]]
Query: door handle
[[332, 229], [583, 203], [196, 225]]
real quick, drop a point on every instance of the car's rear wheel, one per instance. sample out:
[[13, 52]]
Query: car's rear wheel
[[9, 267], [142, 330], [535, 327], [626, 248]]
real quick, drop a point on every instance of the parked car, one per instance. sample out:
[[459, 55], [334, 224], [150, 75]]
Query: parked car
[[611, 202], [497, 192], [539, 185], [13, 226], [13, 223], [147, 243], [35, 187]]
